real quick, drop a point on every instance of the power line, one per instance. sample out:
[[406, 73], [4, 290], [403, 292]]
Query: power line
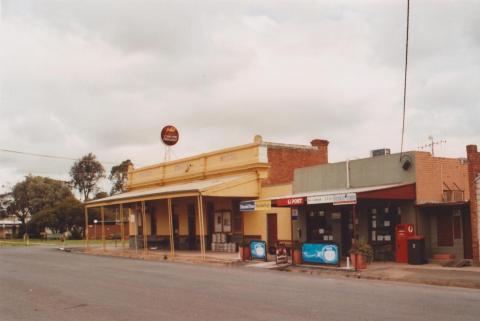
[[46, 155], [405, 78]]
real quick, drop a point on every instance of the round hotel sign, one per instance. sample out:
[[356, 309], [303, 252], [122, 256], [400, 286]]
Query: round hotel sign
[[169, 135]]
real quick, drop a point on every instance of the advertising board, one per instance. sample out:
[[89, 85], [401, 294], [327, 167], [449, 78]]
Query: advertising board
[[320, 253], [258, 250]]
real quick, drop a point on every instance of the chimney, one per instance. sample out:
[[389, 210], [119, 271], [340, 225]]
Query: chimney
[[322, 146]]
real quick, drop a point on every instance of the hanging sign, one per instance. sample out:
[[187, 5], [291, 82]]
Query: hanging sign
[[258, 250], [320, 253], [335, 199], [259, 205], [169, 135], [247, 206], [294, 201], [294, 214]]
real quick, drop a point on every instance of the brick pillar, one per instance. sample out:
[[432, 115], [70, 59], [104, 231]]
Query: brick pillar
[[473, 157], [322, 146]]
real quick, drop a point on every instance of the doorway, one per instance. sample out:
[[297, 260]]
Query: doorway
[[272, 233], [176, 228], [192, 237]]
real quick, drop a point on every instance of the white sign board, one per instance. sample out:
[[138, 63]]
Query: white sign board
[[335, 199]]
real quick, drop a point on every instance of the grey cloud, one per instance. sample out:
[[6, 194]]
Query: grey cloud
[[105, 76]]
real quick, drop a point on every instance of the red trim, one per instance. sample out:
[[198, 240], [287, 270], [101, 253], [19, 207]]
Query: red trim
[[405, 192], [294, 201]]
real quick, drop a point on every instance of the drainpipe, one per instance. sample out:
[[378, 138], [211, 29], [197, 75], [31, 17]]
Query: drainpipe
[[347, 163]]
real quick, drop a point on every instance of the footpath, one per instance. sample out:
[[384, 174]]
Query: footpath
[[431, 274]]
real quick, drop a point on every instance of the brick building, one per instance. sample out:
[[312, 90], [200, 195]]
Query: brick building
[[369, 198], [473, 157], [193, 203]]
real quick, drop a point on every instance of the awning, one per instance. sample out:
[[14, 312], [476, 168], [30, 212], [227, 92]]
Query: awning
[[338, 197], [227, 186]]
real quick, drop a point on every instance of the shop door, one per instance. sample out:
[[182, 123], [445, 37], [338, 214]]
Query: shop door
[[272, 236], [192, 238]]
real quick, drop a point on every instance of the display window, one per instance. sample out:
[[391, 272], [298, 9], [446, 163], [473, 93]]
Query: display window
[[223, 222]]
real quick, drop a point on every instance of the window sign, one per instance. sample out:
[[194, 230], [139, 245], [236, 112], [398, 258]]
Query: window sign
[[218, 222], [227, 222]]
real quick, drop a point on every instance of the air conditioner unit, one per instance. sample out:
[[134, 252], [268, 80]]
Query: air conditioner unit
[[380, 152]]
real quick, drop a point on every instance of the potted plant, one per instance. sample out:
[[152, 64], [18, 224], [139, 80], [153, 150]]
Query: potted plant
[[297, 253], [244, 250], [361, 254]]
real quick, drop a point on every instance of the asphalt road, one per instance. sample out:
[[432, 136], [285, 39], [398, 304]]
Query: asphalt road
[[47, 284]]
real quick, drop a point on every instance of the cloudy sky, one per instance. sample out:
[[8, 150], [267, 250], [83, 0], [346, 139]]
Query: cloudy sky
[[105, 77]]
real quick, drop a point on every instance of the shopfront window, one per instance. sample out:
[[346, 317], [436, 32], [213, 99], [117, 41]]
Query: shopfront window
[[319, 225]]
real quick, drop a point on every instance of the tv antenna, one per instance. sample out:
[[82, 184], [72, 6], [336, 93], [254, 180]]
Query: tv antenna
[[432, 144]]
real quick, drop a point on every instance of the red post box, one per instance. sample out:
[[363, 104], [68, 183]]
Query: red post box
[[403, 232]]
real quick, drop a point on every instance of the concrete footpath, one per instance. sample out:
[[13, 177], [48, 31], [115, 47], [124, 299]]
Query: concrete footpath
[[431, 274]]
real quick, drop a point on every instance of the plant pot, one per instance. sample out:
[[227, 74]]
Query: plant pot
[[244, 252], [296, 256], [359, 261]]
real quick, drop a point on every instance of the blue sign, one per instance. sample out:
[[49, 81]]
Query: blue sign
[[258, 250], [320, 253], [247, 206]]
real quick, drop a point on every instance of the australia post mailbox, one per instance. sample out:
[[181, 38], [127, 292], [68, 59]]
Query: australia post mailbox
[[403, 232]]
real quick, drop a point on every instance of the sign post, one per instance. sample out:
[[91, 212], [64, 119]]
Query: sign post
[[169, 136]]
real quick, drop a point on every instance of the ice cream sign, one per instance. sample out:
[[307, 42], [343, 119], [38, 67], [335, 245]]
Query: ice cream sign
[[258, 250], [320, 253]]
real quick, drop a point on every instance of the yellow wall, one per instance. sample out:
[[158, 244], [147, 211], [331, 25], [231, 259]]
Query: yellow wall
[[223, 162], [255, 223]]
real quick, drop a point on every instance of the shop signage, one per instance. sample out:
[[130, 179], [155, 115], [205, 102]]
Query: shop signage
[[263, 205], [294, 214], [260, 205], [294, 201], [258, 250], [247, 206], [320, 253], [335, 199], [169, 135], [281, 254]]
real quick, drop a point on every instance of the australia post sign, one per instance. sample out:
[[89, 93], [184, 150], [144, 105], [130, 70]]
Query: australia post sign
[[294, 201]]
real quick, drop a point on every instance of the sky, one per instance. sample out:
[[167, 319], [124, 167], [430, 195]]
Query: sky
[[80, 76]]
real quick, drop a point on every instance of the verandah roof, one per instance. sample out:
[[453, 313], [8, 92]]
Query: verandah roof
[[226, 186]]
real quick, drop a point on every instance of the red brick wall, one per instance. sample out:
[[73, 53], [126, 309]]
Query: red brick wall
[[433, 172], [473, 157], [283, 159], [110, 229]]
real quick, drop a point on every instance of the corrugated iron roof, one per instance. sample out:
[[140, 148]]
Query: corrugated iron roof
[[195, 186]]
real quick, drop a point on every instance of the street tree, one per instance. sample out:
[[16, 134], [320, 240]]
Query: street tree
[[86, 174], [66, 215], [118, 176], [35, 194]]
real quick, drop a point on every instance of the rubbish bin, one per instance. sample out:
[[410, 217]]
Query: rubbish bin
[[416, 250]]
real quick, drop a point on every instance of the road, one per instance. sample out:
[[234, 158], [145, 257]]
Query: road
[[39, 283]]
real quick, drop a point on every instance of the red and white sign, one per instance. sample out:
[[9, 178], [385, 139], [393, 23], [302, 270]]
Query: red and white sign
[[169, 135], [294, 201]]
